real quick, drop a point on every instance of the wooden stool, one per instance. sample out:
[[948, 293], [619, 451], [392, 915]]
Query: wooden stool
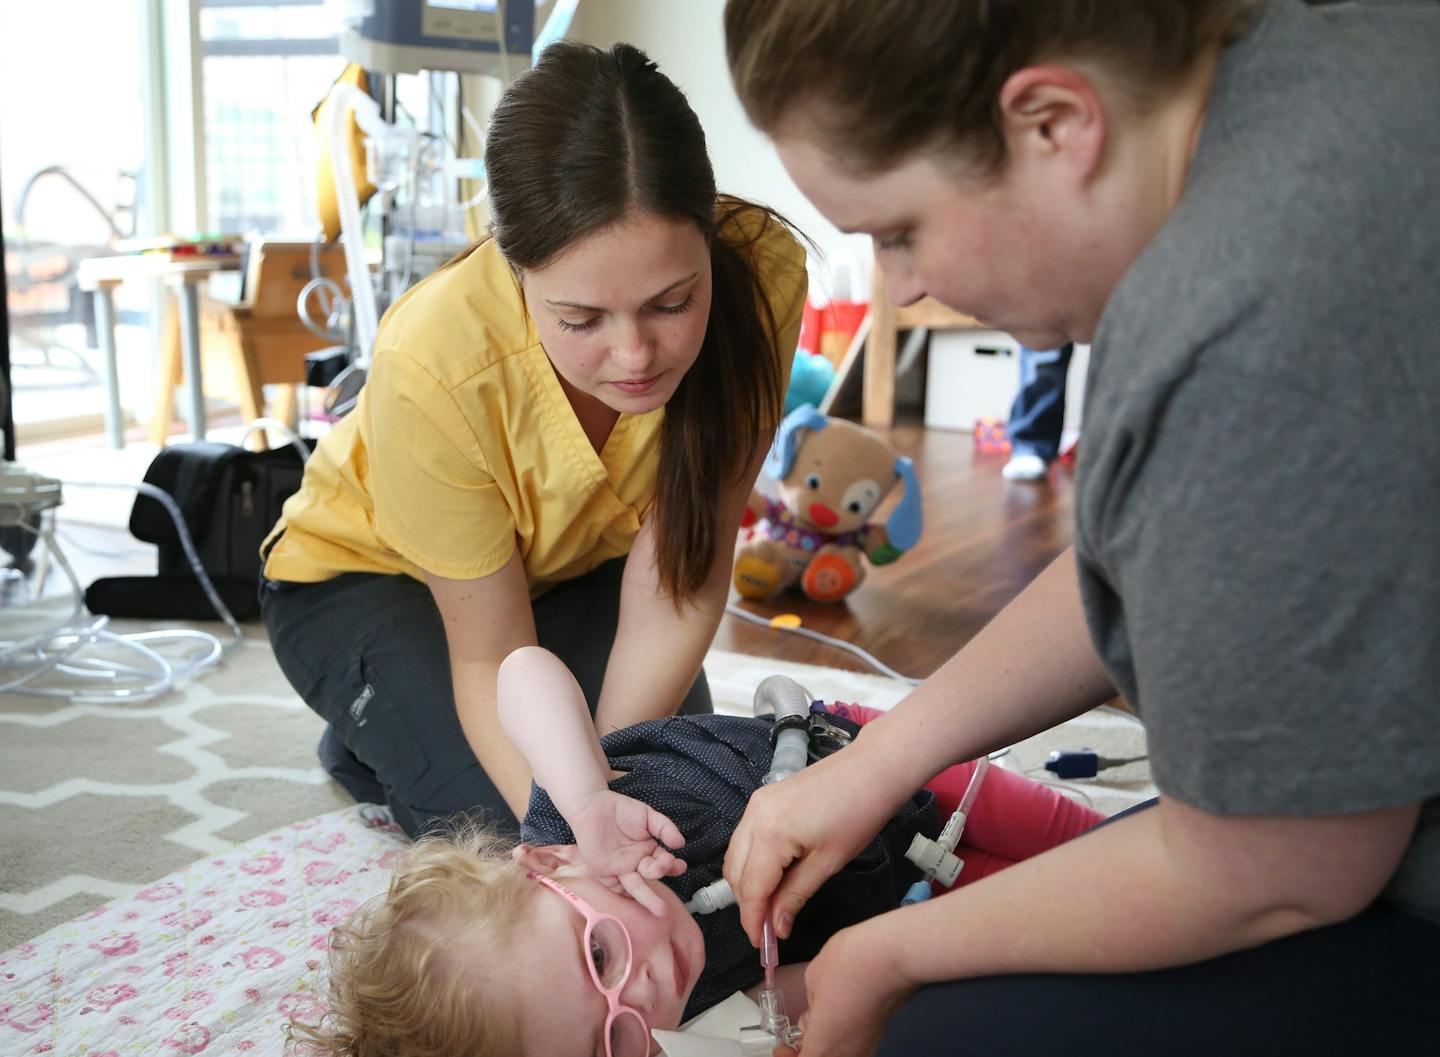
[[252, 343], [886, 321]]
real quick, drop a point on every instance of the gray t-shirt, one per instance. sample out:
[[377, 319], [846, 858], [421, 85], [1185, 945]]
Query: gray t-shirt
[[1258, 513]]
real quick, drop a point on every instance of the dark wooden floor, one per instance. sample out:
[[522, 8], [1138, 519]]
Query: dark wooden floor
[[985, 538]]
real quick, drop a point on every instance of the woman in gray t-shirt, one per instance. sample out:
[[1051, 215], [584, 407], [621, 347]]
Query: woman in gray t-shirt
[[1238, 205]]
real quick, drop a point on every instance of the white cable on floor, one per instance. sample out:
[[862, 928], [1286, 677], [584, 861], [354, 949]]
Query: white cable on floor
[[840, 644], [1064, 787], [53, 649], [736, 611], [123, 555]]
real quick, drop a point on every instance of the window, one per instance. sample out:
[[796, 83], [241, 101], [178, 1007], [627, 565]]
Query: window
[[72, 166], [266, 66]]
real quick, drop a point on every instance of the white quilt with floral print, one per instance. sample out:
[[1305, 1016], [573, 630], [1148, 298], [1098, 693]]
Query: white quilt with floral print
[[213, 959]]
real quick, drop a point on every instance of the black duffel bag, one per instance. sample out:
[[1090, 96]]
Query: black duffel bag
[[230, 498]]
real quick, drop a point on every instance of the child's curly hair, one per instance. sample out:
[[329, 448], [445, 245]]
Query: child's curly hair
[[407, 972]]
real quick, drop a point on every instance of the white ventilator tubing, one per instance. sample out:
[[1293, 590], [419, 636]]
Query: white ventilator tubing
[[347, 98], [781, 696], [59, 648], [717, 895], [784, 697]]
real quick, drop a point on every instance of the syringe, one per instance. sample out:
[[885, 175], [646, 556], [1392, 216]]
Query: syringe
[[774, 1026], [773, 1019], [769, 953]]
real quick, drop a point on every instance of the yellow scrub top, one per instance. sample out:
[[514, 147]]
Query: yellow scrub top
[[463, 446]]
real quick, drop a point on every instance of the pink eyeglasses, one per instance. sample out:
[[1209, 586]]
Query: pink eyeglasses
[[606, 950]]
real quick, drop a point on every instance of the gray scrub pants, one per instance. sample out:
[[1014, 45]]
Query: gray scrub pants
[[367, 653]]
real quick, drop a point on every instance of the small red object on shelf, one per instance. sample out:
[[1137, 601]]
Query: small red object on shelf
[[826, 329], [991, 436]]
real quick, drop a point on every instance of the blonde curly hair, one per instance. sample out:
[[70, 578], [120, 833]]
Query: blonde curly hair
[[407, 970]]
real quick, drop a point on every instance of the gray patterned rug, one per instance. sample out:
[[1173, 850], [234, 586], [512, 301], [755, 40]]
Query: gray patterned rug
[[97, 801]]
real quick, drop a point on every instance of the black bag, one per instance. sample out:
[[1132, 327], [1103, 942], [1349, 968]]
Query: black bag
[[230, 499]]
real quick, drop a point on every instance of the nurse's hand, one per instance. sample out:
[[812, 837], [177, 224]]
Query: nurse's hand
[[798, 832], [619, 840], [853, 989]]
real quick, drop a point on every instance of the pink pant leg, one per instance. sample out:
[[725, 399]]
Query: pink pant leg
[[1013, 817], [855, 713], [978, 864]]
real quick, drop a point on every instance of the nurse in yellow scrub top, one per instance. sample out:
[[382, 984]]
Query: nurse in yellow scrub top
[[554, 446]]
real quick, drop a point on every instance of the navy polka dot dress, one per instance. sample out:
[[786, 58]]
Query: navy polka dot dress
[[700, 771]]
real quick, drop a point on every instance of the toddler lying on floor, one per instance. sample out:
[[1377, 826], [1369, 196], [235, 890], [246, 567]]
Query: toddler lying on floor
[[576, 942]]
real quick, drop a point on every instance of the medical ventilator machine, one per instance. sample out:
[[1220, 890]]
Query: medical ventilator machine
[[413, 173], [798, 719]]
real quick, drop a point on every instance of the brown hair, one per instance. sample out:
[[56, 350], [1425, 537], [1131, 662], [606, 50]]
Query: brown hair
[[406, 972], [576, 143], [885, 79]]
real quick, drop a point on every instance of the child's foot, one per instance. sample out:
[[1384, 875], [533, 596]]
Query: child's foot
[[1025, 467], [755, 578], [828, 578]]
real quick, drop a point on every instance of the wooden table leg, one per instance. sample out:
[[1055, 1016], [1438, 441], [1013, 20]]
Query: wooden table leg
[[877, 401], [162, 415]]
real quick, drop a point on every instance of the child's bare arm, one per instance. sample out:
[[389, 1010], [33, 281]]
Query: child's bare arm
[[542, 710]]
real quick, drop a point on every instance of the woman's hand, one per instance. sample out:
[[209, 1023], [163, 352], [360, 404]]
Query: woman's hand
[[854, 988], [617, 840], [795, 834]]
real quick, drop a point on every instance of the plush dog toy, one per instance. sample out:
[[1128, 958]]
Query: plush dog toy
[[832, 474]]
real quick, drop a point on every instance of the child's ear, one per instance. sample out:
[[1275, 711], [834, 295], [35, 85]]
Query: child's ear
[[547, 858]]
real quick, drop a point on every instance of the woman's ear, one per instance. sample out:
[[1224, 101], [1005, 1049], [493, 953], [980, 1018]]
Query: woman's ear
[[546, 858], [1054, 112]]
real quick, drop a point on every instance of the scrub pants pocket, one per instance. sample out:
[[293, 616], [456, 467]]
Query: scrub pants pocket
[[393, 708], [382, 682]]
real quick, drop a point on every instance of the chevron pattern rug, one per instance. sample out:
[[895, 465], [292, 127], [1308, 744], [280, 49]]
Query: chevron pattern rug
[[97, 801]]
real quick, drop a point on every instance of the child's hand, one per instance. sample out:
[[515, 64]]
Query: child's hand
[[617, 836]]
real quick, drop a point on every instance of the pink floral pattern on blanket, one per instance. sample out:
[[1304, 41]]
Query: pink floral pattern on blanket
[[212, 960]]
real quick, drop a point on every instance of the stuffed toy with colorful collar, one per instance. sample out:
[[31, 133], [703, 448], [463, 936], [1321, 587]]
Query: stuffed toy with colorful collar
[[832, 475]]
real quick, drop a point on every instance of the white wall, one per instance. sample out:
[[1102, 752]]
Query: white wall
[[687, 40]]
